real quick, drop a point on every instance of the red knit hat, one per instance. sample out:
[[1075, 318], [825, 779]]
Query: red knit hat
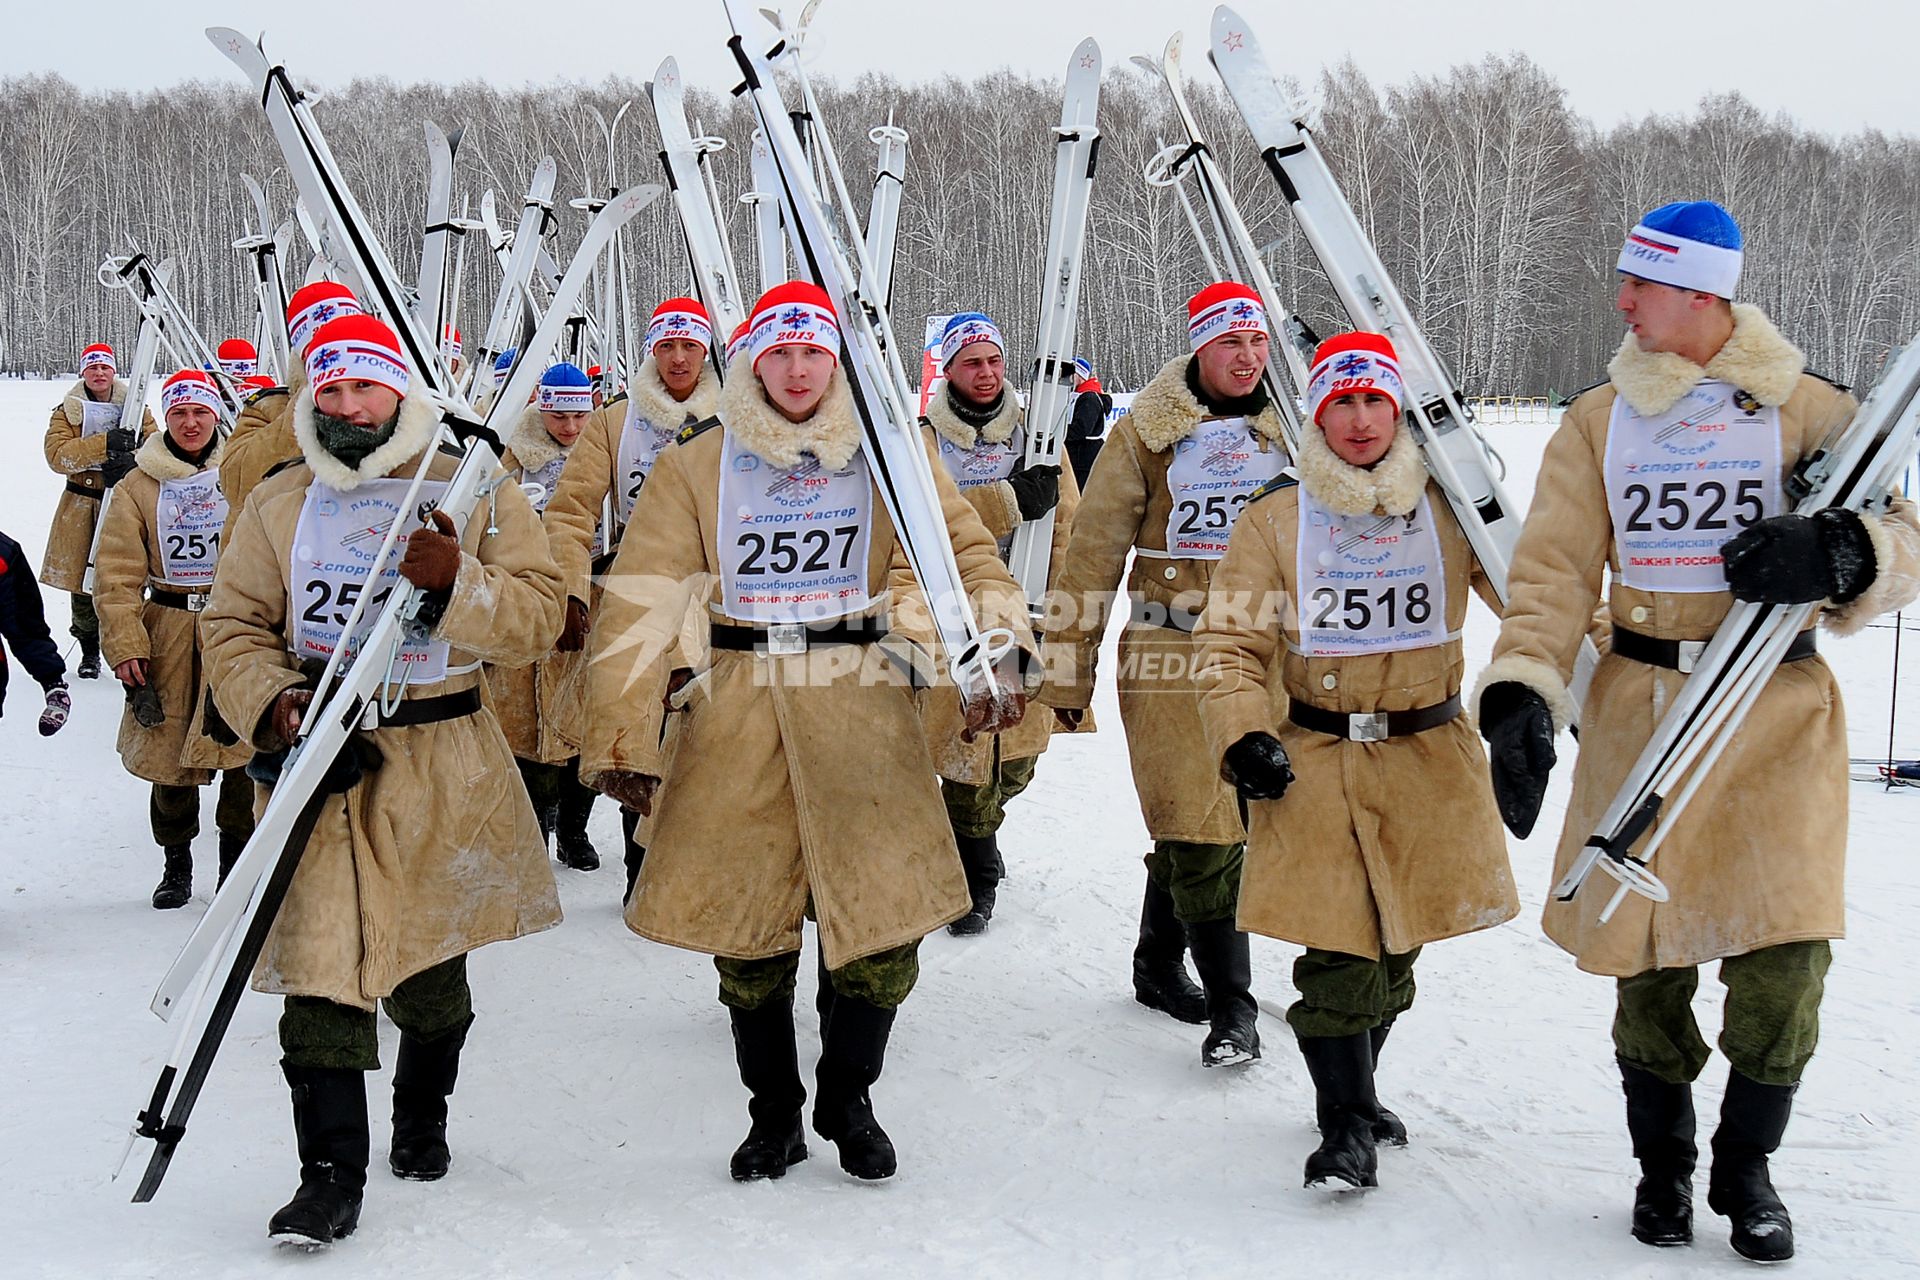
[[313, 306], [356, 348], [737, 342], [1224, 308], [189, 386], [450, 347], [98, 353], [1350, 363], [797, 313], [238, 358], [680, 318], [258, 383]]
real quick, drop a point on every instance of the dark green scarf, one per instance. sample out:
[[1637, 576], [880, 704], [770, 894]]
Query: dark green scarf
[[350, 443]]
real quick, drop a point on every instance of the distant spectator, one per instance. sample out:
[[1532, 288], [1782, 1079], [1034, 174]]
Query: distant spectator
[[23, 625], [1087, 430]]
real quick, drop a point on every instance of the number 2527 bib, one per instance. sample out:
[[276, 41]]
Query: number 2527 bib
[[793, 540]]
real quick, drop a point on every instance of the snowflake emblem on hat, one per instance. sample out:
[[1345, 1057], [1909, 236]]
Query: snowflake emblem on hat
[[1242, 309], [794, 317], [327, 359], [1351, 364]]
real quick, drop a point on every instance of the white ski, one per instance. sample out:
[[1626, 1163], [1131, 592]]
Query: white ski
[[146, 351], [432, 310], [266, 246], [883, 213], [522, 260], [715, 279]]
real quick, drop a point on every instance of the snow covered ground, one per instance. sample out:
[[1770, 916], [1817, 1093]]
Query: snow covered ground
[[1046, 1123]]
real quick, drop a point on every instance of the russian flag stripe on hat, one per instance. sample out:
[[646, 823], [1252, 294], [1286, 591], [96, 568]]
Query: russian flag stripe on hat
[[1688, 244], [564, 389], [1224, 308], [189, 386], [963, 331], [98, 353], [795, 313], [315, 305], [356, 348], [1354, 363], [680, 318]]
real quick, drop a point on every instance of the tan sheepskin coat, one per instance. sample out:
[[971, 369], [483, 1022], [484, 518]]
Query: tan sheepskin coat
[[788, 779], [438, 852], [972, 762], [1124, 510], [1377, 846], [262, 439], [542, 705], [591, 478], [131, 626], [78, 459], [1758, 858]]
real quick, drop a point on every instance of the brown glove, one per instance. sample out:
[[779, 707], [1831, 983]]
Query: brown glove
[[433, 555], [633, 791], [573, 632], [678, 679], [999, 711], [286, 713]]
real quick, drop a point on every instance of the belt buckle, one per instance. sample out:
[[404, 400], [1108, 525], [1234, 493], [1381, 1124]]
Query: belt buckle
[[785, 639], [196, 601], [1686, 653], [1367, 726]]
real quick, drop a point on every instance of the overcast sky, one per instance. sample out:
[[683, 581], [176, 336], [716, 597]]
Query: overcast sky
[[1835, 66]]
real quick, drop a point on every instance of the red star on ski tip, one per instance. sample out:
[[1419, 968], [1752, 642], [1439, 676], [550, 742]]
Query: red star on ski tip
[[1087, 61], [669, 81], [1234, 40]]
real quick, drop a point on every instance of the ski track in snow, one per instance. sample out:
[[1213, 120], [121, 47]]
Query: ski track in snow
[[1045, 1122]]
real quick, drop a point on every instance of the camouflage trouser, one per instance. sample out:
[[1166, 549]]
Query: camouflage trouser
[[1770, 1025], [882, 979], [1204, 879], [978, 811], [174, 812], [1343, 995], [316, 1032], [86, 623]]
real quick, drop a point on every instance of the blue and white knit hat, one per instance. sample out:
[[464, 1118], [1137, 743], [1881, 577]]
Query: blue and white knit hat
[[966, 329], [503, 365], [564, 388], [1689, 244]]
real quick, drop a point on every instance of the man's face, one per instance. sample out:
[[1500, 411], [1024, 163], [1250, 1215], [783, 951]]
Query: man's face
[[98, 379], [565, 428], [1230, 366], [191, 425], [679, 361], [977, 373], [1359, 426], [1660, 316], [364, 404], [795, 377]]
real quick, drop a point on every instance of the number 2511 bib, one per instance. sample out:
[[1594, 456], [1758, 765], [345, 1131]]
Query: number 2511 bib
[[1683, 482], [793, 540], [1369, 584], [1213, 473], [334, 544]]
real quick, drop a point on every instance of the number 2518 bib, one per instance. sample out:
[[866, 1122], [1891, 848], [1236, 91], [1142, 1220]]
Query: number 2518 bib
[[1369, 584], [793, 540], [334, 544], [1213, 473], [1681, 483]]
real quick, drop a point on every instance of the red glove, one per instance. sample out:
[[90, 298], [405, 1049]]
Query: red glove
[[286, 713], [433, 555]]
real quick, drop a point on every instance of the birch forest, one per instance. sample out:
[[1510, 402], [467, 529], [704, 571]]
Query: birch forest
[[1496, 207]]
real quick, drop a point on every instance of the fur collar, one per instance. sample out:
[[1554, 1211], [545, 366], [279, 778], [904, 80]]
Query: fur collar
[[1391, 487], [657, 405], [998, 430], [1756, 359], [1165, 412], [162, 463], [832, 434], [532, 447], [419, 423], [74, 405]]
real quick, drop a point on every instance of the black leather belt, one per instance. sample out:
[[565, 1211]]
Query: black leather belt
[[1373, 726], [448, 706], [1151, 613], [186, 601], [783, 638], [602, 563], [1680, 655], [74, 486]]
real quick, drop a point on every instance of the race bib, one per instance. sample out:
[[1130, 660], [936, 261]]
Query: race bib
[[641, 444], [1214, 471], [986, 462], [334, 544], [542, 481], [793, 540], [190, 513], [1369, 584], [97, 418], [1681, 483]]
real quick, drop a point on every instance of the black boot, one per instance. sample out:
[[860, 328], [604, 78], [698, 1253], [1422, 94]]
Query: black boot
[[547, 815], [330, 1129], [176, 878], [571, 844], [853, 1048], [980, 856], [89, 668], [1660, 1121], [1387, 1129], [423, 1077], [635, 854], [1160, 978], [1226, 975], [232, 845], [763, 1045], [1342, 1071], [1753, 1116]]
